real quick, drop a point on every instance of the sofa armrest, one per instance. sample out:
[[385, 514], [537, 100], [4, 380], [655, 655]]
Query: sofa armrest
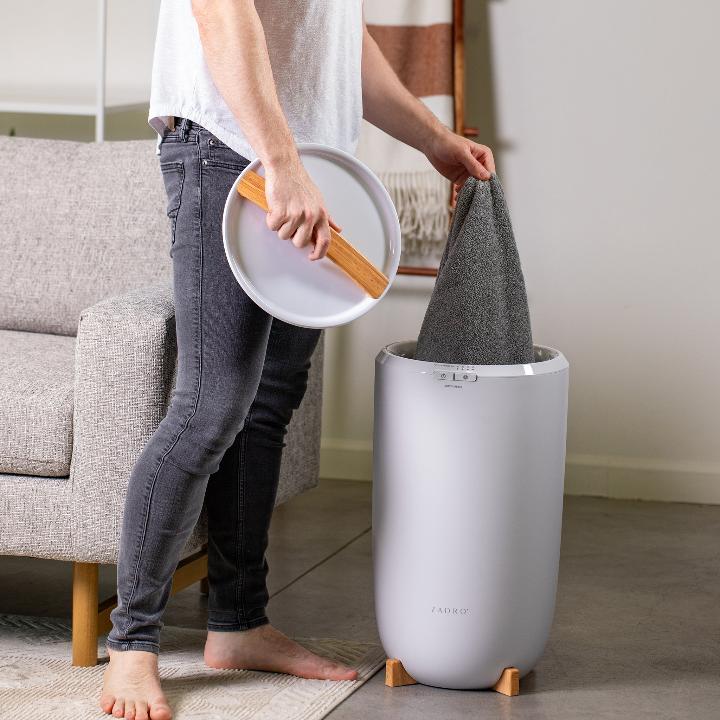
[[125, 364]]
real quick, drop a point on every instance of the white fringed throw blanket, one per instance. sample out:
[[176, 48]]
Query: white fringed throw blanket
[[416, 38]]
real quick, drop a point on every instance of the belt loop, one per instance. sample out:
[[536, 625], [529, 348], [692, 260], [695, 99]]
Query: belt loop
[[184, 129]]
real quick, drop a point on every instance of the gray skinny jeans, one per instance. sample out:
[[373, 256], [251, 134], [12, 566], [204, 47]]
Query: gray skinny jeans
[[241, 373]]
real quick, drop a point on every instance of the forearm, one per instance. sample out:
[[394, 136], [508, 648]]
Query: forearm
[[389, 105], [236, 54]]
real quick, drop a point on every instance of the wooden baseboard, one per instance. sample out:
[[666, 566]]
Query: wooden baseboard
[[622, 478]]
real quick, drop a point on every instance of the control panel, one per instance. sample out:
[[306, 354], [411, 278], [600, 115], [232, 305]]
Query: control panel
[[447, 375]]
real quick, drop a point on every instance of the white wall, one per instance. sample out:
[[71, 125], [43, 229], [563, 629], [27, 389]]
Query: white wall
[[48, 52], [53, 45], [604, 117], [605, 121]]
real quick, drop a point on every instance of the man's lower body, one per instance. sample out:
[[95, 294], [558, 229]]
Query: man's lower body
[[241, 374]]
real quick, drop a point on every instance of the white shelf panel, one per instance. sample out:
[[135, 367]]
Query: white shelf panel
[[67, 100]]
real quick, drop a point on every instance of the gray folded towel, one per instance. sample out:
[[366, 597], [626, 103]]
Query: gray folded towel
[[478, 312]]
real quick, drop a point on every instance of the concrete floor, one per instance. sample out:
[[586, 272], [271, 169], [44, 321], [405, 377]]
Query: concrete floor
[[636, 632]]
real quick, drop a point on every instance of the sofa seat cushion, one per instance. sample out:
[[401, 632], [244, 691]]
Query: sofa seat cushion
[[36, 403]]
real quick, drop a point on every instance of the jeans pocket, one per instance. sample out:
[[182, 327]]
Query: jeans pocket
[[222, 155], [174, 178]]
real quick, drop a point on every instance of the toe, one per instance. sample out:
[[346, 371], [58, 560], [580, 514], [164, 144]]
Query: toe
[[342, 672], [107, 702], [141, 711], [349, 671], [129, 710], [160, 710], [118, 708]]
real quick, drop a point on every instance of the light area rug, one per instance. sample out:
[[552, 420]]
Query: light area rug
[[37, 681]]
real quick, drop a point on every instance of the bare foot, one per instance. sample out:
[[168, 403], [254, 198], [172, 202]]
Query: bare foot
[[131, 687], [265, 648]]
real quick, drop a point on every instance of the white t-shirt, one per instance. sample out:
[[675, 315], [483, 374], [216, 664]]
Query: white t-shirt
[[315, 49]]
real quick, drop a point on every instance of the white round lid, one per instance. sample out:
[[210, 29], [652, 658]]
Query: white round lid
[[280, 278]]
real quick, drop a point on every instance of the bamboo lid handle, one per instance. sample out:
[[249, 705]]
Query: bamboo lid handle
[[341, 252]]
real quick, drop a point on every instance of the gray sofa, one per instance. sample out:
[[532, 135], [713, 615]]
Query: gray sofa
[[88, 358]]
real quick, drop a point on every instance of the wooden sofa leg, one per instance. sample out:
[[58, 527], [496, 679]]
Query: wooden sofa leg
[[91, 618], [85, 614], [204, 586]]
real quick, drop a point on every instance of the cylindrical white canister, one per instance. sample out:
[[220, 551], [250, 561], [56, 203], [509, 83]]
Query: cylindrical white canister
[[468, 469]]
